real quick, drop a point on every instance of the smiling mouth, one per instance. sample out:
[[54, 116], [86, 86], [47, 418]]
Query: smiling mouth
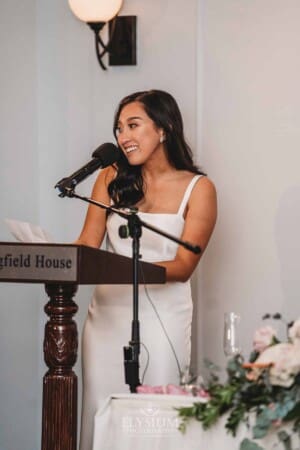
[[131, 148]]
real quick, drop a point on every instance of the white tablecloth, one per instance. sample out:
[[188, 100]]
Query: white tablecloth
[[150, 422]]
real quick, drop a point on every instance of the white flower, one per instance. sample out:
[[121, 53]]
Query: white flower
[[263, 338], [294, 332], [286, 363]]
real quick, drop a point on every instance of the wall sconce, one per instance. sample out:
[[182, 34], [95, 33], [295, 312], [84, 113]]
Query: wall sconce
[[121, 46]]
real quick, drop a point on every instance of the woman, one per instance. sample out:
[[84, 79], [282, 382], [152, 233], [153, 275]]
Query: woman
[[156, 174]]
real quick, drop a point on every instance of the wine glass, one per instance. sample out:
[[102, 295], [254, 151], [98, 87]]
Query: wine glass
[[231, 340]]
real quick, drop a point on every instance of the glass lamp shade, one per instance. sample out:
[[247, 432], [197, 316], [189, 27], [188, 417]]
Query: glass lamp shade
[[95, 10]]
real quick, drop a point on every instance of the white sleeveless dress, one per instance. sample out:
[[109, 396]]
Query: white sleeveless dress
[[108, 325]]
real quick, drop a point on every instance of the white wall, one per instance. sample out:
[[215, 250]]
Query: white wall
[[20, 305], [56, 107], [249, 103]]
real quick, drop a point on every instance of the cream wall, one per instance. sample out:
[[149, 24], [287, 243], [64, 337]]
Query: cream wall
[[249, 104], [20, 352]]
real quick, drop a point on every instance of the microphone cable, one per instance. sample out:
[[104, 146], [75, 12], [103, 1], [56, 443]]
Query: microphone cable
[[162, 326], [147, 361]]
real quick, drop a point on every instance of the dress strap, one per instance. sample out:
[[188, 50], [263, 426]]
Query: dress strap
[[187, 194]]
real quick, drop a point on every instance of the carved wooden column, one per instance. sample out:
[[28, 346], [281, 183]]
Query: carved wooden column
[[59, 423]]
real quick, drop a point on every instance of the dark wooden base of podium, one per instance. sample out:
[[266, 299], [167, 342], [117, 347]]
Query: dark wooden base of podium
[[60, 413], [59, 423]]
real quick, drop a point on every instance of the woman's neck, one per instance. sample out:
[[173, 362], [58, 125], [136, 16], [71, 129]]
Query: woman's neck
[[157, 168]]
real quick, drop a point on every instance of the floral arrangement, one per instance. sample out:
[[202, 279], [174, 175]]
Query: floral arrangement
[[267, 388]]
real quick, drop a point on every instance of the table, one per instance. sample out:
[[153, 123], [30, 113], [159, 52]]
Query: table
[[150, 422]]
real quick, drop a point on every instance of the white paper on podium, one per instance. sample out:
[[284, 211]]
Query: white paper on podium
[[27, 232]]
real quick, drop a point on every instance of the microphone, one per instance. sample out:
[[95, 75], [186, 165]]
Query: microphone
[[105, 155]]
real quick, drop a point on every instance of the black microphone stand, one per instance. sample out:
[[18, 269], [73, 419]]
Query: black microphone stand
[[132, 351], [134, 230]]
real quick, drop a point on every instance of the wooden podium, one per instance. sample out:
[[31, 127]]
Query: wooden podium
[[62, 268]]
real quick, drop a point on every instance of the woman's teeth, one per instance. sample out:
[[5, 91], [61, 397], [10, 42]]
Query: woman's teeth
[[131, 148]]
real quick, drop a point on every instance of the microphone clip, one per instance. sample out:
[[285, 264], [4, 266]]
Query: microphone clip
[[66, 189]]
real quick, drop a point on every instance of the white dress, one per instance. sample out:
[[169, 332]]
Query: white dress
[[108, 325]]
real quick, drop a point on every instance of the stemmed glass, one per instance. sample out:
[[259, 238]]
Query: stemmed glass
[[231, 340]]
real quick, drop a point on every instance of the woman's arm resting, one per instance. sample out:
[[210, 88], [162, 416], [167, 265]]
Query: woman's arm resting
[[199, 224]]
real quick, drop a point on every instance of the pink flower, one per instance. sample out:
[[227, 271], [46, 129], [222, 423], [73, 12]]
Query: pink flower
[[172, 389], [277, 423], [263, 338], [294, 332], [175, 390], [203, 394], [146, 389], [285, 360], [253, 375]]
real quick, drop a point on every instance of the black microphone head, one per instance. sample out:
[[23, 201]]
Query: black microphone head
[[108, 154]]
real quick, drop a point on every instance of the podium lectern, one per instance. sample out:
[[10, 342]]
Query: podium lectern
[[62, 268]]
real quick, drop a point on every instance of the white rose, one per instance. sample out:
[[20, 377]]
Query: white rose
[[263, 338], [286, 363], [294, 332]]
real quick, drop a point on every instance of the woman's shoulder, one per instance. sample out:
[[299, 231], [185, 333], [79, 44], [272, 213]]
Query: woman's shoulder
[[204, 185], [201, 180], [203, 196]]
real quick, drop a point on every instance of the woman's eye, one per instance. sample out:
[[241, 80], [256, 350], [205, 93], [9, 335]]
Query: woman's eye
[[132, 125]]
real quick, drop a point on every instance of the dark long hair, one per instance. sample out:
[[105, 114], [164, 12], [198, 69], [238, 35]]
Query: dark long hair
[[127, 188]]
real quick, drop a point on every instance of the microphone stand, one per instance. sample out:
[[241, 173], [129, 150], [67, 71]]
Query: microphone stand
[[134, 230], [132, 351]]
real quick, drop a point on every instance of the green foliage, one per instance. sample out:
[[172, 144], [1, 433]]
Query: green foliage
[[246, 444], [239, 397]]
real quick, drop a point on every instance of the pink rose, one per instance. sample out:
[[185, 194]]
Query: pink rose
[[172, 389], [145, 389], [285, 360], [294, 332], [175, 390], [263, 338], [204, 395]]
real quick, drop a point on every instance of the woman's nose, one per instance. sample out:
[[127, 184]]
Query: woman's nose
[[124, 137]]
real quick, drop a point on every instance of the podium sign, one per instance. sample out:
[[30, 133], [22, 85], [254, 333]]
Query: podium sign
[[57, 263], [61, 268], [39, 262]]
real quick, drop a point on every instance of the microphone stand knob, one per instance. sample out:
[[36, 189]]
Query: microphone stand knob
[[124, 231]]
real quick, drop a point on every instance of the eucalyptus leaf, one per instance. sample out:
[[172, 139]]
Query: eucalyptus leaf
[[284, 408], [294, 413], [246, 444], [259, 432]]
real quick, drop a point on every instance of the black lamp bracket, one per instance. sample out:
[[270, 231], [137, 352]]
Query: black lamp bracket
[[100, 47], [121, 45]]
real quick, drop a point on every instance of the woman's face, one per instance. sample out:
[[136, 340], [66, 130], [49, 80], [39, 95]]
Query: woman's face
[[138, 136]]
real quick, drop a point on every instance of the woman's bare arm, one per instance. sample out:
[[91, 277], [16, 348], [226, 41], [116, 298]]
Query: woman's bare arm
[[199, 224], [94, 227]]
